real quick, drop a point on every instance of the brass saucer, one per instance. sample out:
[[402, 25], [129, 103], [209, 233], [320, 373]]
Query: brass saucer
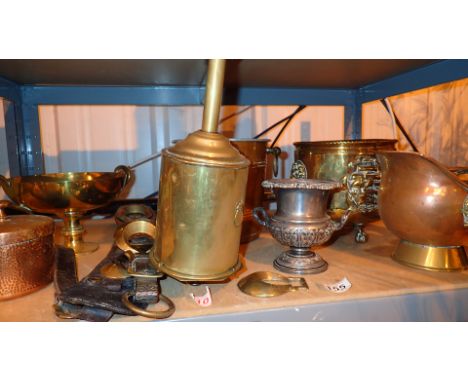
[[431, 258], [270, 284]]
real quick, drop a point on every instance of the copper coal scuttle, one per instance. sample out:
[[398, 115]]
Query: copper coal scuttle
[[426, 206]]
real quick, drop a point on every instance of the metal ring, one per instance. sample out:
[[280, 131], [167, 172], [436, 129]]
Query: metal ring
[[148, 313]]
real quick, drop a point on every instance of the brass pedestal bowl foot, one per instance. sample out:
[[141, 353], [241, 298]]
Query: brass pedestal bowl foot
[[360, 235], [431, 258], [73, 234], [80, 246], [300, 262]]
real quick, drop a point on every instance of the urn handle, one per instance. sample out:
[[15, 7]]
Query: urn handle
[[337, 225], [261, 216], [276, 152]]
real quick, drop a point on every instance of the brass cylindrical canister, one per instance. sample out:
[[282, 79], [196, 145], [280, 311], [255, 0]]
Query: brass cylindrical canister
[[201, 199]]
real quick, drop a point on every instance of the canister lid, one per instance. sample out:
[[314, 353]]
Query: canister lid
[[210, 149], [20, 228]]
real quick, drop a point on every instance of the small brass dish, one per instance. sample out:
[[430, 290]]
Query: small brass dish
[[270, 284]]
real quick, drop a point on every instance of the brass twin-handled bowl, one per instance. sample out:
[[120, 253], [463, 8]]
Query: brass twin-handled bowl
[[351, 162], [68, 196], [426, 206], [256, 151]]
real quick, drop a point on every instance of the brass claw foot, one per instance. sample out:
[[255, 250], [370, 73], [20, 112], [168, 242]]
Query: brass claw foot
[[360, 236]]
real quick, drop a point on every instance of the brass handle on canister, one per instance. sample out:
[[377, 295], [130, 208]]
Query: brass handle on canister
[[276, 152], [264, 220], [159, 314]]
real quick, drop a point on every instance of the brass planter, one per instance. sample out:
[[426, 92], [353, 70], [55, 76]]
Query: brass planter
[[426, 206], [256, 151], [352, 163]]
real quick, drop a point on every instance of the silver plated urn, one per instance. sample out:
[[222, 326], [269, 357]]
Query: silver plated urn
[[300, 222]]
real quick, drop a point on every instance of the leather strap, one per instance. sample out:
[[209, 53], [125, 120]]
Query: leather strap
[[94, 298]]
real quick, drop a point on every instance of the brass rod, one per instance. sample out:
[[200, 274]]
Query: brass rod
[[214, 92]]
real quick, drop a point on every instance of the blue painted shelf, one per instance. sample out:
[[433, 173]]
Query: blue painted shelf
[[26, 84]]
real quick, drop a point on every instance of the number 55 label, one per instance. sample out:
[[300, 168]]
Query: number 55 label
[[339, 287]]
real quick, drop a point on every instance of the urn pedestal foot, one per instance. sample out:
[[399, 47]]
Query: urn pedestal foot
[[300, 262]]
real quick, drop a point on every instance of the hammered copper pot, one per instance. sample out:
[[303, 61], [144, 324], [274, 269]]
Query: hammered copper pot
[[351, 162], [26, 253], [256, 151], [426, 206]]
